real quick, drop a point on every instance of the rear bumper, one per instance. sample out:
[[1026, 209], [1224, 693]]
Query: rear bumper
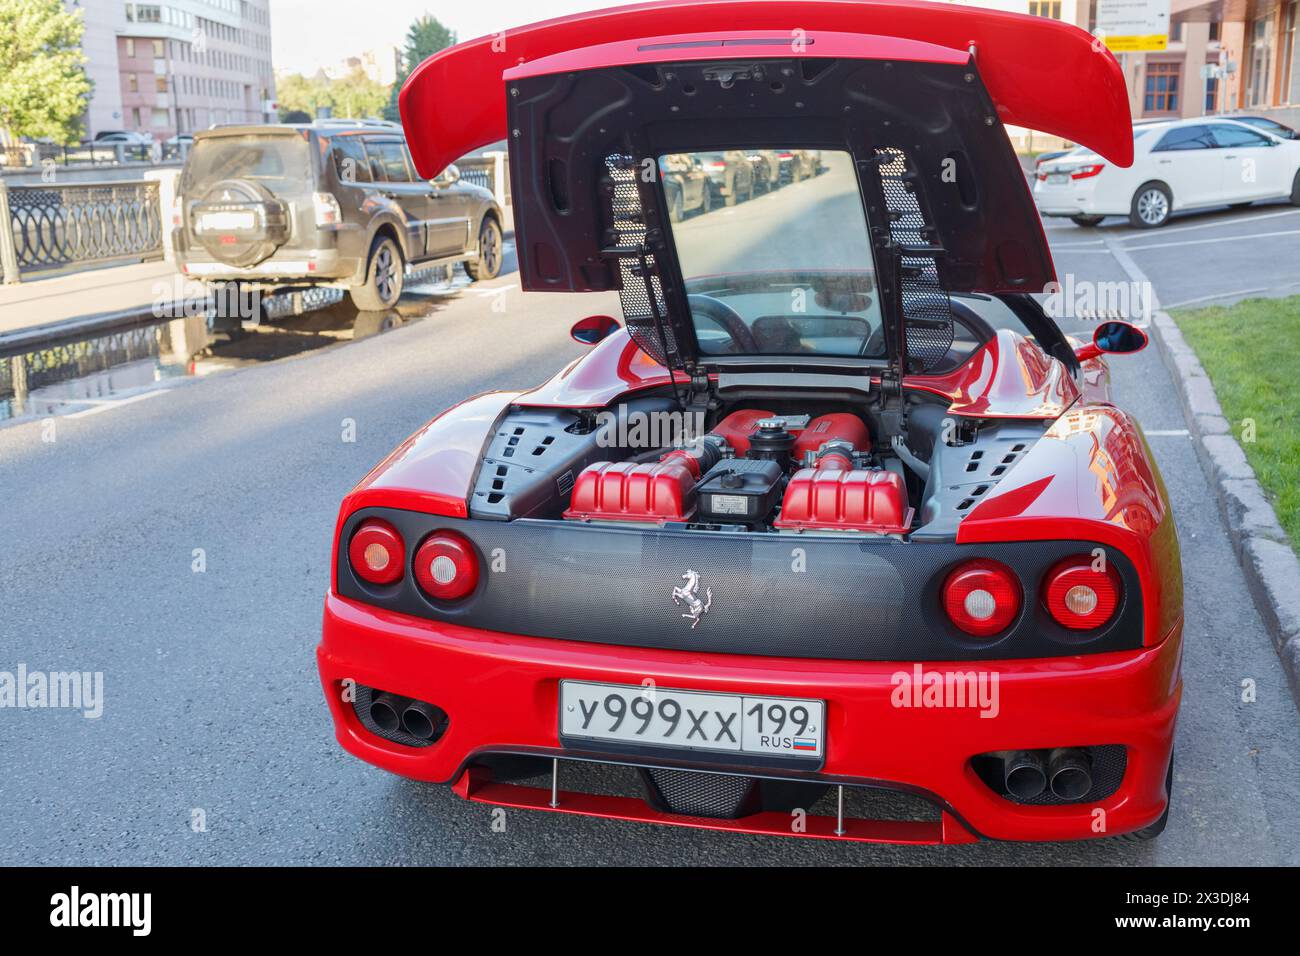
[[293, 265], [500, 693]]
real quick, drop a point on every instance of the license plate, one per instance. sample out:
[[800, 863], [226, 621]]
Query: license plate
[[658, 717], [1058, 179], [226, 221]]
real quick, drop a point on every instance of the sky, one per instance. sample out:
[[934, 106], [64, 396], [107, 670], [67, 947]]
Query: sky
[[308, 34]]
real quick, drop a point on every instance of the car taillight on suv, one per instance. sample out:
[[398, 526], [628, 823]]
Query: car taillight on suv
[[326, 207]]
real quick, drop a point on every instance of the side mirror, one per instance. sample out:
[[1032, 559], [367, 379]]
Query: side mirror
[[1113, 338], [448, 177], [593, 329]]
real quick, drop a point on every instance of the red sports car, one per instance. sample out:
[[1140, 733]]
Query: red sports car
[[836, 508]]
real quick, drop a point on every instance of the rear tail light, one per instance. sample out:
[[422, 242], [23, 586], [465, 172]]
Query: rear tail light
[[446, 566], [327, 210], [982, 597], [1081, 596], [717, 165], [377, 553], [1087, 172]]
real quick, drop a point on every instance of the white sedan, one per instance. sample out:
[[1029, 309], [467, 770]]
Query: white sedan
[[1178, 165]]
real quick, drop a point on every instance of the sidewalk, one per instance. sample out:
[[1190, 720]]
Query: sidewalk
[[33, 302]]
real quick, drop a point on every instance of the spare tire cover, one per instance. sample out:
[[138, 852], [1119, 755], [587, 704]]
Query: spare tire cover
[[234, 244]]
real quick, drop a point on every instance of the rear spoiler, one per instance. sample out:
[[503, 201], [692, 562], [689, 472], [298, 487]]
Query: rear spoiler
[[1041, 74]]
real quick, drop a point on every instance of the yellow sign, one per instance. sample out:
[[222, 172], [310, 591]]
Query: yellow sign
[[1138, 44]]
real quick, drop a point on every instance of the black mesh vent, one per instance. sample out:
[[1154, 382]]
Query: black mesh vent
[[926, 307], [693, 794], [629, 226]]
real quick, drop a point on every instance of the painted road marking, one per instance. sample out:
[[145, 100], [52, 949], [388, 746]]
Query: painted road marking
[[108, 405], [1202, 242]]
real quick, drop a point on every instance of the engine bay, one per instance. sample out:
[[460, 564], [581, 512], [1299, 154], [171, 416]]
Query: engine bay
[[875, 465], [755, 468]]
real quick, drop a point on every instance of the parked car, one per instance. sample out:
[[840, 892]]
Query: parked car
[[767, 169], [905, 480], [122, 138], [731, 178], [1179, 165], [686, 185], [798, 164], [1280, 130], [285, 207]]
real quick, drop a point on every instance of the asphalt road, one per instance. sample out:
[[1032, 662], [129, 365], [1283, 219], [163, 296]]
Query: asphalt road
[[212, 700]]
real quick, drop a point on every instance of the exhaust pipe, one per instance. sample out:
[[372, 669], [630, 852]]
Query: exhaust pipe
[[1070, 771], [1023, 774], [384, 711], [420, 719]]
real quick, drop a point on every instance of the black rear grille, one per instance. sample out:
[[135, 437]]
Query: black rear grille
[[926, 306], [629, 226], [858, 600], [688, 792]]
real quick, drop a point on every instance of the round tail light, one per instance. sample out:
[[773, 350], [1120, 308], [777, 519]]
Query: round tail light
[[376, 552], [982, 597], [446, 566], [1080, 596]]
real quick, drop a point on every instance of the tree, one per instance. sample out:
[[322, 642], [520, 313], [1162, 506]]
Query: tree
[[297, 93], [355, 95], [425, 38], [43, 84]]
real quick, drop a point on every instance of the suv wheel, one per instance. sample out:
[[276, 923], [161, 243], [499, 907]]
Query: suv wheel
[[384, 275], [488, 264]]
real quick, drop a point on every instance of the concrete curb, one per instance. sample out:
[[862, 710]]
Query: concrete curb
[[1271, 566]]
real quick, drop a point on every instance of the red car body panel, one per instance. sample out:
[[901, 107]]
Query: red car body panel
[[1041, 73], [501, 691]]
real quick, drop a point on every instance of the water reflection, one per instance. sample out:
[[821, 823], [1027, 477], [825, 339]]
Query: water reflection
[[76, 376]]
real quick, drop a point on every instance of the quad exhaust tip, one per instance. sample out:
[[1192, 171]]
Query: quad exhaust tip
[[1024, 774], [385, 710], [1066, 771], [420, 719], [1069, 771]]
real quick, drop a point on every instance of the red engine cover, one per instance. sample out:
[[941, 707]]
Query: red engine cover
[[840, 426], [833, 500], [656, 491], [738, 426]]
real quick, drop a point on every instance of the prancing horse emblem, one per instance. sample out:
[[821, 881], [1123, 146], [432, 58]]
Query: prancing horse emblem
[[689, 594]]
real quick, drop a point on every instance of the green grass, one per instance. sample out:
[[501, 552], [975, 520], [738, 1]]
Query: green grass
[[1251, 351]]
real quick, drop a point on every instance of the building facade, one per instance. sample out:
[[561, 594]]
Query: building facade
[[1222, 56], [177, 66]]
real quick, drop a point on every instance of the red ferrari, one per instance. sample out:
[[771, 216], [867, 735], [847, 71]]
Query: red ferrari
[[836, 515]]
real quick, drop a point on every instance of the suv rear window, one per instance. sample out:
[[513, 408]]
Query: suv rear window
[[350, 160], [280, 163]]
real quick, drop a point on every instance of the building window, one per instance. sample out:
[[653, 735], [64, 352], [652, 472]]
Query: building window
[[1162, 82], [1176, 32], [130, 48], [132, 83], [1214, 30], [160, 83], [1290, 37], [1259, 58], [1212, 94], [1045, 8], [158, 49]]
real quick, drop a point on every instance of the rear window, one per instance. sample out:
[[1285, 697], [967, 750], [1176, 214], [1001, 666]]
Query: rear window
[[282, 164]]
